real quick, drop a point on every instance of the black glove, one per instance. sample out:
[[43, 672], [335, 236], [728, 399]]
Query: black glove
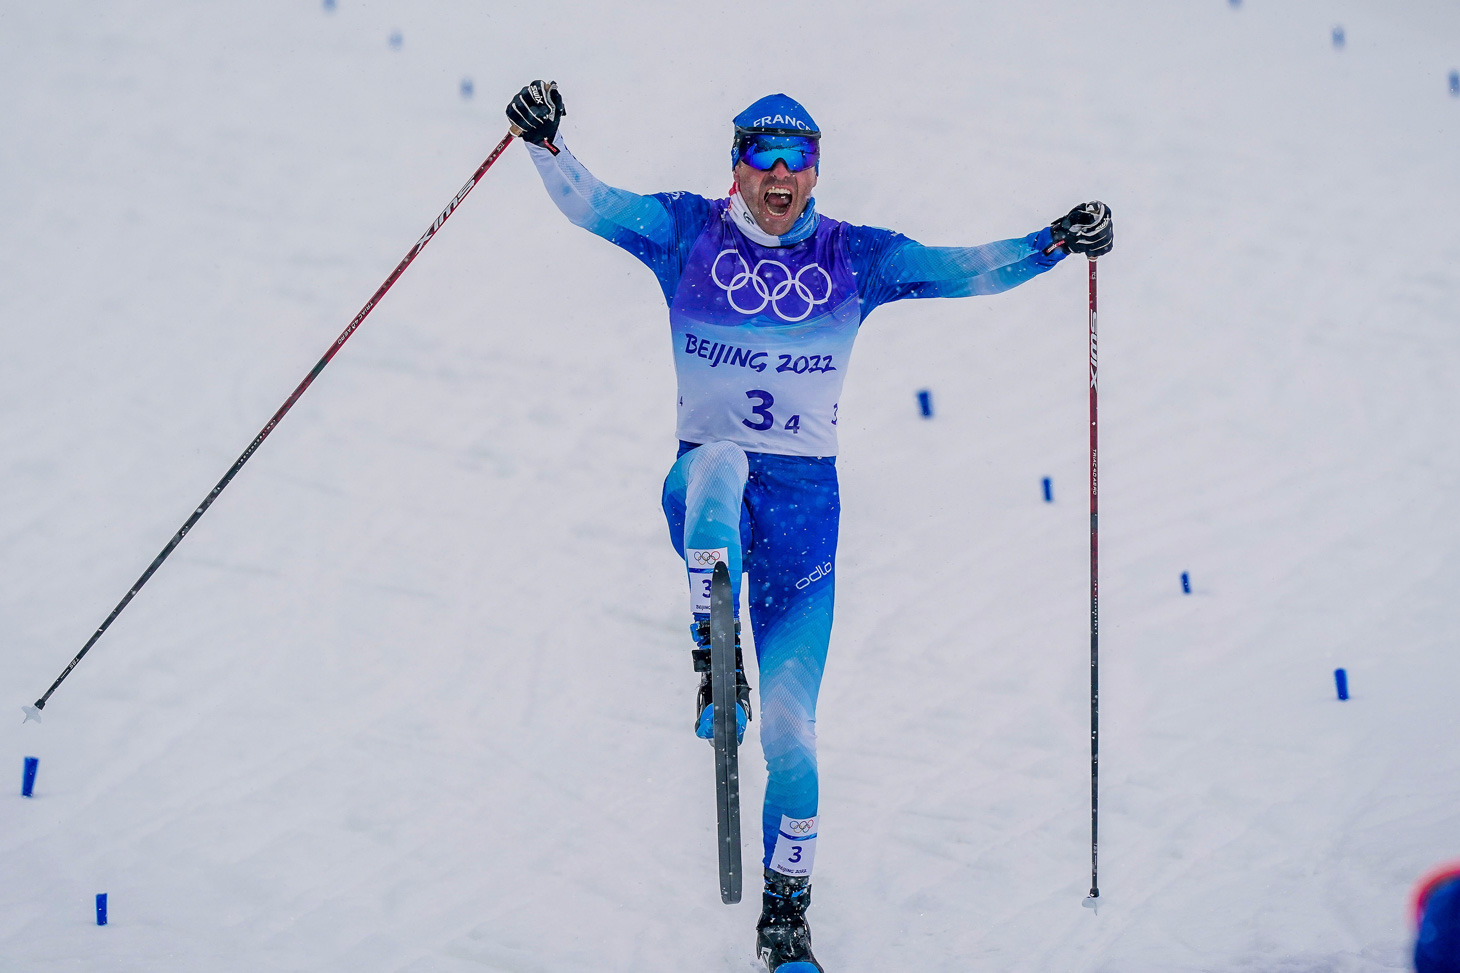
[[537, 109], [1086, 229]]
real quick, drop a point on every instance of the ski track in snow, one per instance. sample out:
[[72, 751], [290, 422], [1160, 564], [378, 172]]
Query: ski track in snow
[[415, 695]]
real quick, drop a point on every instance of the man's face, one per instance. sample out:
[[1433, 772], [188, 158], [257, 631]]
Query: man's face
[[776, 197]]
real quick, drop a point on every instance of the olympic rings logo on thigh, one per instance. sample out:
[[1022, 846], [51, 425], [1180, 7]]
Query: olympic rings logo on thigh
[[770, 295]]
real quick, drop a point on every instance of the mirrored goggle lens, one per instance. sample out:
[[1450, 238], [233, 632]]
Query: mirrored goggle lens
[[762, 152]]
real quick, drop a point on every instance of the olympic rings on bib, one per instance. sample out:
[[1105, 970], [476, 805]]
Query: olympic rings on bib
[[770, 295]]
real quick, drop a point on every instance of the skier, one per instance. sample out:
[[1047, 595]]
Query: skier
[[765, 299]]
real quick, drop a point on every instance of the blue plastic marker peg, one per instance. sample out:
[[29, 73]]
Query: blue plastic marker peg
[[329, 6], [1340, 679], [1048, 491], [1455, 82], [396, 40], [101, 908], [925, 403], [1338, 38], [27, 779], [1185, 583], [467, 88]]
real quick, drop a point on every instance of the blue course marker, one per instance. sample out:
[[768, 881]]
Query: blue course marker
[[467, 88], [925, 403], [1185, 583], [1338, 38], [329, 6], [1048, 491], [27, 778], [396, 40], [101, 908], [1455, 82], [1340, 679]]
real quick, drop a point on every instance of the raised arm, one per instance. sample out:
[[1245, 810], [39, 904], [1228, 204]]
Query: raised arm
[[919, 271], [595, 206], [657, 229], [893, 267]]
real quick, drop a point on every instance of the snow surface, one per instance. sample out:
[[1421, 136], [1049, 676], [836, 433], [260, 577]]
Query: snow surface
[[415, 694]]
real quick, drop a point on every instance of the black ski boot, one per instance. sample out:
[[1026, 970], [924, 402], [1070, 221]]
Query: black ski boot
[[782, 937], [704, 726]]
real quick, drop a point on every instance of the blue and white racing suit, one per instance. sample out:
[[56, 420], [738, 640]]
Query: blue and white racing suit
[[763, 330]]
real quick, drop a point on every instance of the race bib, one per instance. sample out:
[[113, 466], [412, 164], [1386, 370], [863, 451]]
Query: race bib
[[701, 563], [795, 846]]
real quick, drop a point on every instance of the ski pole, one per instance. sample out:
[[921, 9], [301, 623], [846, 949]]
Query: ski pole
[[1093, 898], [33, 712]]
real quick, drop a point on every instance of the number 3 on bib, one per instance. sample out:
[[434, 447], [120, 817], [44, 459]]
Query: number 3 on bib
[[761, 410]]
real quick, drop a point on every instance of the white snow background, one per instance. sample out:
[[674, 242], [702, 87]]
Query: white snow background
[[415, 694]]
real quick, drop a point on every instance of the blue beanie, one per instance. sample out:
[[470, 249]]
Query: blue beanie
[[776, 113], [1437, 947]]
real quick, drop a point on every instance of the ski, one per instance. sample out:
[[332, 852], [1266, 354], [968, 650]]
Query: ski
[[727, 756]]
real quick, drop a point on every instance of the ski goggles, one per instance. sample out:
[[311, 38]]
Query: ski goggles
[[762, 151]]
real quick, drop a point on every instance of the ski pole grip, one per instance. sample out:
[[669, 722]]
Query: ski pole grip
[[513, 129], [1059, 243]]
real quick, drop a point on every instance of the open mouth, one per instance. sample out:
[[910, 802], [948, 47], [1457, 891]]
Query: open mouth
[[778, 201]]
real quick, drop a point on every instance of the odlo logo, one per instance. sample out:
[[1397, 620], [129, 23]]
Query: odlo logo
[[816, 575]]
